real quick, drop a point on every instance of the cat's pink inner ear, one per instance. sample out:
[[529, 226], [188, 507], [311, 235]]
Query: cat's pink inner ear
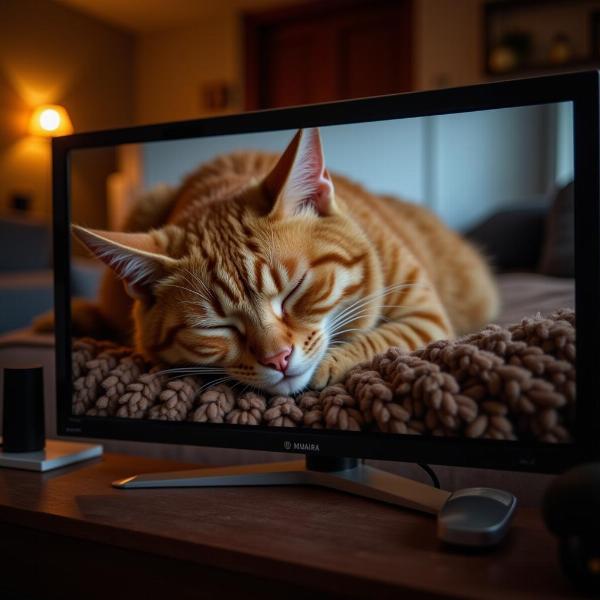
[[300, 179], [135, 257]]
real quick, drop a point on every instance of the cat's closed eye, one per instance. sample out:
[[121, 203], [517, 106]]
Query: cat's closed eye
[[289, 296]]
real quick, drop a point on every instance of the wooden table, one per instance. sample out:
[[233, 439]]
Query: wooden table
[[70, 534]]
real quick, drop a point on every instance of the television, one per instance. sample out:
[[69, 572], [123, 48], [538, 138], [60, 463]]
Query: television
[[507, 169]]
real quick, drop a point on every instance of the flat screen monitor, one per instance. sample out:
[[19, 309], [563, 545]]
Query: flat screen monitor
[[322, 279]]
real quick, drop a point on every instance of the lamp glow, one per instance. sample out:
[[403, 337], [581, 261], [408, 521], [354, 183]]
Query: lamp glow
[[50, 120]]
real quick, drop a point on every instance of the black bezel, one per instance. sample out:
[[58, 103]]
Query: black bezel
[[580, 88]]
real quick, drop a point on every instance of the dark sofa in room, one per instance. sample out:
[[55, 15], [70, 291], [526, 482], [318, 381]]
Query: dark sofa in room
[[531, 247], [26, 277]]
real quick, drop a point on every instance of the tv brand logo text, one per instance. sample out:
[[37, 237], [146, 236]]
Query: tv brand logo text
[[301, 446]]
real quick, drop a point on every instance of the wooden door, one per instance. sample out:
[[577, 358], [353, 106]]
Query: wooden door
[[324, 51]]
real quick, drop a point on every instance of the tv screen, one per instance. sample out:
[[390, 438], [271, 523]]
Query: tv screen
[[248, 278]]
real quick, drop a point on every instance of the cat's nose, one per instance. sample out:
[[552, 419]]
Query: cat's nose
[[278, 361]]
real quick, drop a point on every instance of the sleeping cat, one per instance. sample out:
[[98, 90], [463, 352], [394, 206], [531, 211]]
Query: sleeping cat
[[276, 273]]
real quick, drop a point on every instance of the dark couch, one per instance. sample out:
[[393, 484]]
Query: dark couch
[[26, 277]]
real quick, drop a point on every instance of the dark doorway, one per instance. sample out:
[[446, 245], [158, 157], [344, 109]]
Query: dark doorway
[[331, 50]]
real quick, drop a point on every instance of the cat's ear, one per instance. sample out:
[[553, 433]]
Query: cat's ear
[[300, 180], [135, 257]]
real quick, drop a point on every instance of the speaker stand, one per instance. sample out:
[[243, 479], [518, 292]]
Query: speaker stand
[[57, 453]]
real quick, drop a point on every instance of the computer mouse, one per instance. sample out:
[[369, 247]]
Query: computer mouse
[[476, 517]]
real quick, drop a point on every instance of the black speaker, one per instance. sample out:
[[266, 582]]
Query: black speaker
[[571, 509], [23, 417]]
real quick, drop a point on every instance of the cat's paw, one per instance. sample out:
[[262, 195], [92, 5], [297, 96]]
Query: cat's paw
[[330, 371]]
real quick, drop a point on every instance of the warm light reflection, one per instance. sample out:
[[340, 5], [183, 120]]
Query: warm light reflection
[[50, 120]]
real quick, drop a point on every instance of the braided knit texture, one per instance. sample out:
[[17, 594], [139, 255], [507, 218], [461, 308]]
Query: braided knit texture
[[515, 383]]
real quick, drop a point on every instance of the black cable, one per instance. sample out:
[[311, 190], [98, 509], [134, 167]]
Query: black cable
[[431, 473]]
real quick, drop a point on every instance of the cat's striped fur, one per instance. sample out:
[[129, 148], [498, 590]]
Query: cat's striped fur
[[273, 272]]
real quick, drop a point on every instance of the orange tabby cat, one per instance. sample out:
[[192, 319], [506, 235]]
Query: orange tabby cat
[[280, 275]]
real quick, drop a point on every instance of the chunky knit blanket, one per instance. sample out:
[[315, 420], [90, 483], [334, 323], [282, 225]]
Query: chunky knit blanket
[[504, 384]]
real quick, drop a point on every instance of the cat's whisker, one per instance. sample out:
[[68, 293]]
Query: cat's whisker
[[346, 330], [255, 389], [357, 307], [349, 319], [199, 369], [193, 366], [339, 330], [356, 316], [180, 376], [187, 289], [361, 303], [236, 384], [204, 387], [337, 334], [349, 316], [201, 284], [191, 373], [389, 289], [360, 311], [195, 277], [201, 375], [383, 291], [186, 373], [196, 292]]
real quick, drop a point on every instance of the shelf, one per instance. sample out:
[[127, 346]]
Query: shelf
[[527, 31]]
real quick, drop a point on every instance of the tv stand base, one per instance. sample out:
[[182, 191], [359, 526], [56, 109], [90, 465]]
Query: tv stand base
[[345, 475]]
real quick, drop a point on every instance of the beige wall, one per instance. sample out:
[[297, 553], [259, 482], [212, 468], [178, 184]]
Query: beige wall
[[49, 53], [448, 43], [171, 66]]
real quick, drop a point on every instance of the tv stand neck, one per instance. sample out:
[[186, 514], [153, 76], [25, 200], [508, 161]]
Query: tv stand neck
[[343, 474], [329, 464]]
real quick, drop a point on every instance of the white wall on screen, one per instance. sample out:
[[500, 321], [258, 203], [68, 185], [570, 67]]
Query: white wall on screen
[[464, 166], [366, 152], [488, 159]]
